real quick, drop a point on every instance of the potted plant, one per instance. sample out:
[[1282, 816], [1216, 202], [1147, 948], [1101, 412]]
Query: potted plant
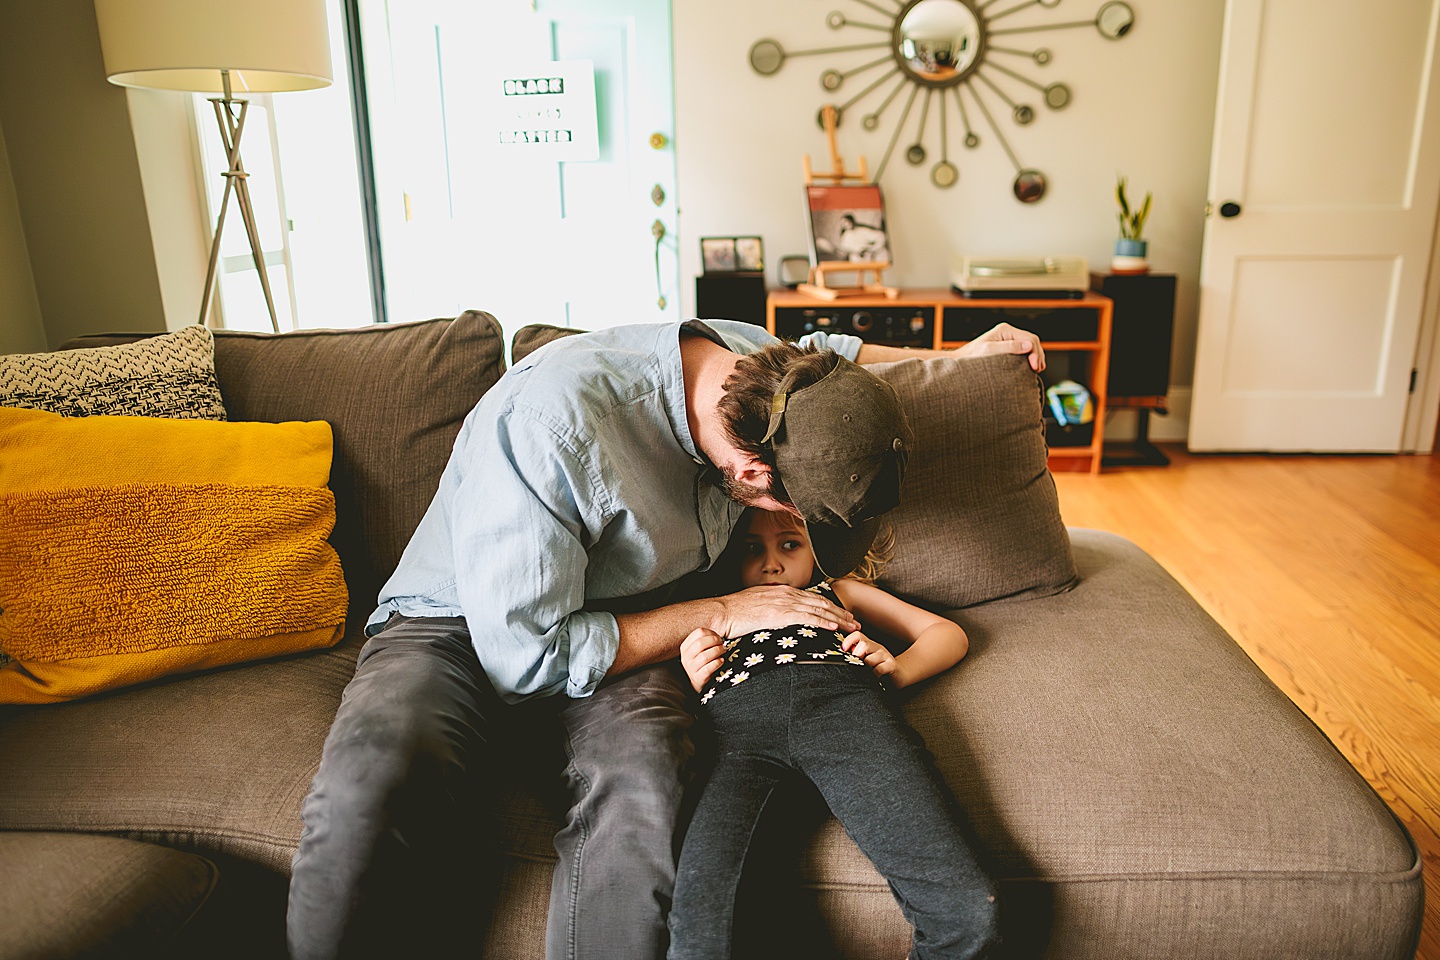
[[1130, 248]]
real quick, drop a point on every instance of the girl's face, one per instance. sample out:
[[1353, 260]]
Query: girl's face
[[776, 551]]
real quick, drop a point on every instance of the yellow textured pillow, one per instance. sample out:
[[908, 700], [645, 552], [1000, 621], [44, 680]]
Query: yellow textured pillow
[[137, 547]]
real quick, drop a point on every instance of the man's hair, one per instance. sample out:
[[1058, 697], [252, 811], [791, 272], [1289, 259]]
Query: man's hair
[[745, 405]]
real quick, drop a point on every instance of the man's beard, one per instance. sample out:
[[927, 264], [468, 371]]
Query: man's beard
[[748, 494]]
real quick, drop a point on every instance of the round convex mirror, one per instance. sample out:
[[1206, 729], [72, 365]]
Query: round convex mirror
[[1029, 186], [938, 42], [1115, 19], [766, 57]]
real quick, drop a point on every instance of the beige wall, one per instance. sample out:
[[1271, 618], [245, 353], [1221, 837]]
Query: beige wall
[[20, 328], [76, 180]]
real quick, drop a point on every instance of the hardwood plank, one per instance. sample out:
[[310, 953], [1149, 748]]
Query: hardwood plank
[[1326, 571]]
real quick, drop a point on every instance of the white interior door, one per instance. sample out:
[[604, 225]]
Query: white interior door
[[467, 223], [1323, 186]]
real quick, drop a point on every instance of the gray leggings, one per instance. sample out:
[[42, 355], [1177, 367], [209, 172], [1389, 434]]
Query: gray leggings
[[831, 724], [397, 856]]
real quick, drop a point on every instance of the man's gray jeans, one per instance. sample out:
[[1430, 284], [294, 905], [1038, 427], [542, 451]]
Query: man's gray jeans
[[397, 853]]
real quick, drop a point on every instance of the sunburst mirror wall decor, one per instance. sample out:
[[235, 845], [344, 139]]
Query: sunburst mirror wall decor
[[959, 54]]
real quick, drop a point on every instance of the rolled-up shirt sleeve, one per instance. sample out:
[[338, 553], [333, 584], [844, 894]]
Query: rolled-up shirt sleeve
[[522, 517], [847, 345]]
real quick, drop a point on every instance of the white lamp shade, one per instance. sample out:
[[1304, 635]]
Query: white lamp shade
[[267, 45]]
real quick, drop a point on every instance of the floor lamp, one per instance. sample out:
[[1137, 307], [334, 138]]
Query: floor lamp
[[219, 46]]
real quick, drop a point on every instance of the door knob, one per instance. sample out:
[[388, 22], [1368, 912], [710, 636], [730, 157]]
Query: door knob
[[1229, 209], [657, 230]]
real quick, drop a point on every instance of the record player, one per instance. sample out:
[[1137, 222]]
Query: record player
[[1011, 277]]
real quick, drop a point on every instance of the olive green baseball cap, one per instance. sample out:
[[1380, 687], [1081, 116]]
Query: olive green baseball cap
[[841, 444]]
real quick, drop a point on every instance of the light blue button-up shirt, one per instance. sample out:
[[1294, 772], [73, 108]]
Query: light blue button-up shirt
[[574, 479]]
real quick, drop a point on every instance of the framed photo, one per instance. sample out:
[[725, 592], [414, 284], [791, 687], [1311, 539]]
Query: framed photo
[[718, 254], [749, 255], [847, 223]]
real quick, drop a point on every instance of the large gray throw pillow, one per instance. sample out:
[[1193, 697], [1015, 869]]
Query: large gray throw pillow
[[395, 395], [979, 518]]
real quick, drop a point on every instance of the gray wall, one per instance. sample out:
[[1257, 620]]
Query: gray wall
[[76, 183], [20, 328]]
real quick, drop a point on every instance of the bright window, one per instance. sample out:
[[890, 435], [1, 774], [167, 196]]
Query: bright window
[[299, 151]]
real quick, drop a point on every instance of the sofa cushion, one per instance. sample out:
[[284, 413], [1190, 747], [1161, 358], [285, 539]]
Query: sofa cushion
[[166, 376], [531, 338], [76, 895], [220, 761], [137, 547], [1180, 785], [395, 396], [979, 518]]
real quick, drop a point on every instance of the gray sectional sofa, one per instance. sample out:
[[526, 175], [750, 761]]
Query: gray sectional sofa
[[1143, 789]]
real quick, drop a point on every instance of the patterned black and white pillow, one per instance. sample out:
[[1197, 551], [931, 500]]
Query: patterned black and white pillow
[[166, 376]]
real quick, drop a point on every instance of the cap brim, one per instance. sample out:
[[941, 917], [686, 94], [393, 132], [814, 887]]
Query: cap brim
[[839, 549]]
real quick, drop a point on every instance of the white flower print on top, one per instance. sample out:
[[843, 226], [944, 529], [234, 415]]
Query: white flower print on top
[[779, 648]]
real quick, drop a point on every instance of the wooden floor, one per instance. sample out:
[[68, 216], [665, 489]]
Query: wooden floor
[[1327, 571]]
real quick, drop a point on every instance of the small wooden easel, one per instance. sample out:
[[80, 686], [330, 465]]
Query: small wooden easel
[[818, 287]]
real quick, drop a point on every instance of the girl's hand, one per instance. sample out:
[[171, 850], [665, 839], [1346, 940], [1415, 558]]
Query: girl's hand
[[876, 657], [701, 654]]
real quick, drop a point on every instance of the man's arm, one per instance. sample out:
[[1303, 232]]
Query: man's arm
[[655, 635], [1001, 339]]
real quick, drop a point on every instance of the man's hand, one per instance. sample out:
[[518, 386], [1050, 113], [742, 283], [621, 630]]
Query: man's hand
[[761, 608], [701, 654], [876, 657], [1006, 339]]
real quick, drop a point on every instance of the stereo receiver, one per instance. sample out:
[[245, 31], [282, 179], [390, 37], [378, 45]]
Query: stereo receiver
[[888, 325]]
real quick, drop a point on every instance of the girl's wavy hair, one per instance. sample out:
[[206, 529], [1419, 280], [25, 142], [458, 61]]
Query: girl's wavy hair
[[881, 552]]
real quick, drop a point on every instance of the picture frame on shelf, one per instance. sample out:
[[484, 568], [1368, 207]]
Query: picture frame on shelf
[[718, 254], [749, 255], [846, 223]]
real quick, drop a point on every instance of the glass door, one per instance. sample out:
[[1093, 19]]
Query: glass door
[[472, 218]]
